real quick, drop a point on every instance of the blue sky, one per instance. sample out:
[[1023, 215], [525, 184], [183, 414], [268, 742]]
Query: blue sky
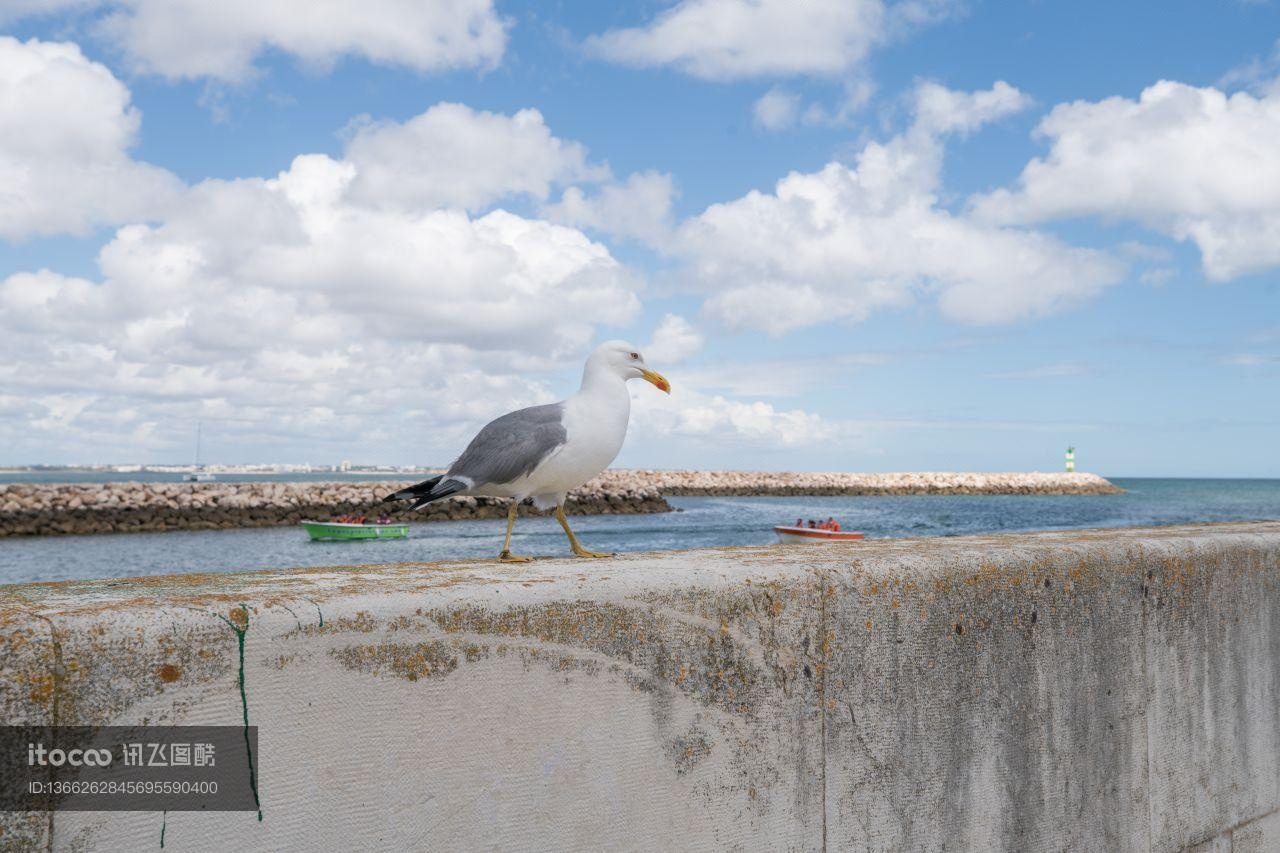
[[1002, 234]]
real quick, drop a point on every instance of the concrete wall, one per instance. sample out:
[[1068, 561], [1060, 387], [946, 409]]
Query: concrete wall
[[1100, 690]]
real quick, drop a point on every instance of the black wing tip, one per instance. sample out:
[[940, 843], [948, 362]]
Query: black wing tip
[[421, 494], [417, 490]]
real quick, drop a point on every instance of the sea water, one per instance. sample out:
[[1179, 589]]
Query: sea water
[[700, 522]]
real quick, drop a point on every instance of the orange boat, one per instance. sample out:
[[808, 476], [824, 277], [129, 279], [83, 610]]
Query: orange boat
[[788, 534]]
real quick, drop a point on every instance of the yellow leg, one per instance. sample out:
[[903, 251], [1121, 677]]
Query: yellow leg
[[506, 556], [573, 540]]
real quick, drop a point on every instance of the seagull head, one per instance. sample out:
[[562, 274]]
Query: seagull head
[[625, 361]]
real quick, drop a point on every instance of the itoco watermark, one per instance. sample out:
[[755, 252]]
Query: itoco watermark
[[37, 755], [128, 768]]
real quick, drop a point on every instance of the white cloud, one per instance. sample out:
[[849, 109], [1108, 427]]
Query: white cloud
[[941, 110], [777, 109], [673, 341], [738, 39], [66, 126], [1193, 163], [733, 39], [295, 260], [638, 208], [689, 414], [845, 241], [193, 38], [855, 93], [295, 309], [1260, 74], [452, 155]]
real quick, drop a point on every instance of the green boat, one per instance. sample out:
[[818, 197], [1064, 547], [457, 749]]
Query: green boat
[[319, 530]]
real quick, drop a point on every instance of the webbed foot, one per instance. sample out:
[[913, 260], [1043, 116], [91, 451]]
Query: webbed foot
[[583, 552]]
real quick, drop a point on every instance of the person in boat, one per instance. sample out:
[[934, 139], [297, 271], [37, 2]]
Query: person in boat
[[833, 525], [384, 519], [799, 522], [813, 525]]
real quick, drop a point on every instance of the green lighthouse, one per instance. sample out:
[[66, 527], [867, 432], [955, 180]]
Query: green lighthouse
[[1071, 460]]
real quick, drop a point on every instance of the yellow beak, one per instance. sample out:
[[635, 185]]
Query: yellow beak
[[657, 379]]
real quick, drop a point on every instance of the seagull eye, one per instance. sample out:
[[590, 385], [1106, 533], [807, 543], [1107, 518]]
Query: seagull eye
[[635, 356]]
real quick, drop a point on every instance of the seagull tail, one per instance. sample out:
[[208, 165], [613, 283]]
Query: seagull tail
[[427, 491]]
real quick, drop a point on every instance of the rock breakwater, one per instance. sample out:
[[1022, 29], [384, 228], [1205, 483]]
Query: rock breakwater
[[44, 509], [28, 509], [672, 483]]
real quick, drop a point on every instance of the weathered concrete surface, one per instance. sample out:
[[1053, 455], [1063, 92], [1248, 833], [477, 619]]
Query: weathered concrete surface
[[1096, 690]]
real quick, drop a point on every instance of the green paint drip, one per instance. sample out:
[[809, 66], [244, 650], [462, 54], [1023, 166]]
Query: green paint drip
[[294, 615], [244, 704], [164, 823]]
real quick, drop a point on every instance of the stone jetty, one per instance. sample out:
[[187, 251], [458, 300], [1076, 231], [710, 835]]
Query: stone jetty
[[673, 483], [133, 507], [28, 509]]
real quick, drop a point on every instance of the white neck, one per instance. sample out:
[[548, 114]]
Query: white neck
[[603, 384], [600, 380]]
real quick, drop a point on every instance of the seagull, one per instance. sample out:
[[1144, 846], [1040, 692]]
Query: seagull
[[543, 452]]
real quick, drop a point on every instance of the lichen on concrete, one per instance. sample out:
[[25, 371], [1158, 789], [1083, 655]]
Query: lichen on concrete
[[410, 661], [707, 664], [689, 749]]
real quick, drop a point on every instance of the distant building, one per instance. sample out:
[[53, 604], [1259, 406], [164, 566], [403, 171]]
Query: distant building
[[345, 465]]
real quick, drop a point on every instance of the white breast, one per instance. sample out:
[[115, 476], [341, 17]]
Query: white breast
[[595, 424]]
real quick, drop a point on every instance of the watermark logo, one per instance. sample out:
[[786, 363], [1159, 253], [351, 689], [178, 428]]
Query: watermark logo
[[38, 756], [127, 768]]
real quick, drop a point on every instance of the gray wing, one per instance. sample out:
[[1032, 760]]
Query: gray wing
[[511, 446]]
